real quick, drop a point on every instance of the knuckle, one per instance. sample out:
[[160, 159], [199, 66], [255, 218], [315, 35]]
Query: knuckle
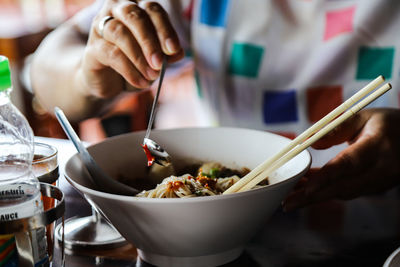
[[138, 58], [385, 145], [148, 44], [135, 13], [379, 143], [154, 8], [347, 162], [98, 17], [136, 81], [100, 92], [334, 132], [116, 29], [114, 52]]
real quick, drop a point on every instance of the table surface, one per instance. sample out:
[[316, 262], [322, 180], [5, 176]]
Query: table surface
[[360, 232]]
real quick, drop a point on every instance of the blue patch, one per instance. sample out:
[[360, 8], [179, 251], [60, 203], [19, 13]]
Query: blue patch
[[280, 107], [214, 12], [382, 101]]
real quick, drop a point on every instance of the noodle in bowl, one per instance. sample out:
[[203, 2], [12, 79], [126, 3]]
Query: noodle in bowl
[[191, 231]]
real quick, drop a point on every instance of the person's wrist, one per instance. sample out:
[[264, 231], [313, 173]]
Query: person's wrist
[[81, 85], [86, 103]]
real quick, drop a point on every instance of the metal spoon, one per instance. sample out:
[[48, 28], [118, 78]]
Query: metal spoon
[[154, 152], [98, 176]]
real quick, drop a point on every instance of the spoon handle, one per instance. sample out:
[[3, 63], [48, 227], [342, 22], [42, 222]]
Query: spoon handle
[[83, 152], [153, 108], [62, 119], [98, 176]]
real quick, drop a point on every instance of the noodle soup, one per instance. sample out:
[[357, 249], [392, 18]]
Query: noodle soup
[[162, 228], [210, 179]]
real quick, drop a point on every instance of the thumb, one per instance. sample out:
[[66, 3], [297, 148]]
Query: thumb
[[345, 132]]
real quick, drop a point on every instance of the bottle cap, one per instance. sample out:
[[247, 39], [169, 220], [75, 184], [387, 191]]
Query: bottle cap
[[5, 74]]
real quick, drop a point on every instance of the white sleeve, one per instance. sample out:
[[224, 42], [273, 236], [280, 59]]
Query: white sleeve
[[176, 10], [83, 19]]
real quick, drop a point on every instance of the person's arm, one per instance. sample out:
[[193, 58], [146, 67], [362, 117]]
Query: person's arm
[[56, 76], [80, 73], [370, 164]]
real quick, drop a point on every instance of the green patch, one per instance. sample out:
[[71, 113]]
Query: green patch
[[374, 61], [245, 59]]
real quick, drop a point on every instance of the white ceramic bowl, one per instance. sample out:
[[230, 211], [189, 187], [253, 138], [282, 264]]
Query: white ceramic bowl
[[202, 231], [393, 260]]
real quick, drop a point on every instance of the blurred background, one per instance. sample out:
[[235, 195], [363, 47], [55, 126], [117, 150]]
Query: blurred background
[[24, 24]]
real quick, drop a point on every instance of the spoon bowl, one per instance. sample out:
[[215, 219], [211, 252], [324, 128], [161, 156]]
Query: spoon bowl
[[154, 152]]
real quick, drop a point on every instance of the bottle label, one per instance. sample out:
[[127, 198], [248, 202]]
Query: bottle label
[[22, 204]]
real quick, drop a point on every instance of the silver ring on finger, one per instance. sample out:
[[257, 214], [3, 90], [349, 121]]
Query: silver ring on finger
[[102, 24]]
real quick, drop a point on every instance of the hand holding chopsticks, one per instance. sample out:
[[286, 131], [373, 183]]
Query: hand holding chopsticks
[[311, 135]]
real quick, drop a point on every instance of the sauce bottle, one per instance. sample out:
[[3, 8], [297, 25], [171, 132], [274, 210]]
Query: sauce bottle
[[20, 195]]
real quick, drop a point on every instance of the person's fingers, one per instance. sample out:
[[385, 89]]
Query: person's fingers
[[110, 55], [140, 25], [166, 34], [139, 35], [346, 131], [118, 34], [341, 189], [112, 50], [351, 187], [342, 177], [297, 198], [304, 180], [370, 164], [300, 184], [351, 161], [176, 57]]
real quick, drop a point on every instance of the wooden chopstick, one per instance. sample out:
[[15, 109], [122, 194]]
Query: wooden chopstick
[[316, 137], [263, 167]]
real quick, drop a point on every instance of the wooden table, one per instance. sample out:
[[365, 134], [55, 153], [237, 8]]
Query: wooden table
[[361, 232]]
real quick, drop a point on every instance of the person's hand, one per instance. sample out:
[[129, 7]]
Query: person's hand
[[370, 164], [130, 48]]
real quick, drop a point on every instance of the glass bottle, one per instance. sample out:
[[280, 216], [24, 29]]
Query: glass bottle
[[20, 195]]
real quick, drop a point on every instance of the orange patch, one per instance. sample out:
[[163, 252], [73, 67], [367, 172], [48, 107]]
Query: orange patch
[[321, 100], [287, 134]]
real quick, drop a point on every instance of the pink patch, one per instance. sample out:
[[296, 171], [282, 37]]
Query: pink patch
[[339, 21], [188, 12]]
